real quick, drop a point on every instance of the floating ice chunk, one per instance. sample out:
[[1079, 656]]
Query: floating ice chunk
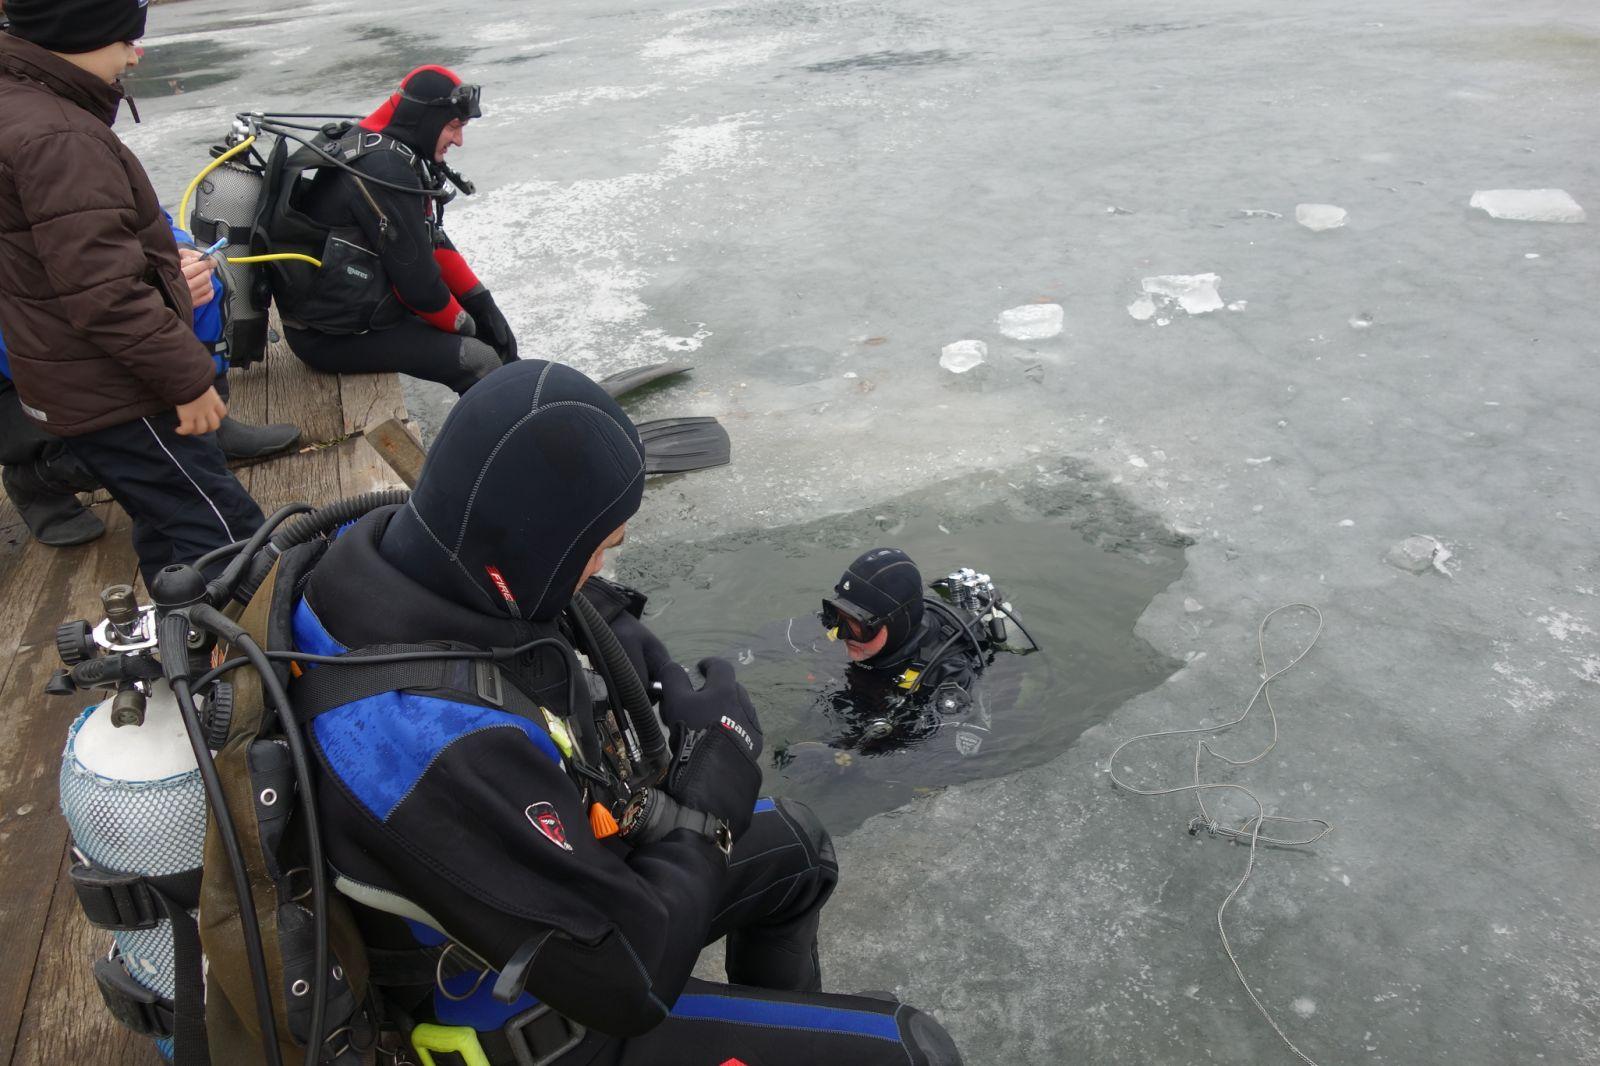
[[1528, 205], [1142, 309], [1138, 461], [1191, 605], [1347, 522], [1361, 321], [1031, 322], [1319, 217], [1195, 293], [1256, 212], [1238, 305], [962, 356], [1530, 255]]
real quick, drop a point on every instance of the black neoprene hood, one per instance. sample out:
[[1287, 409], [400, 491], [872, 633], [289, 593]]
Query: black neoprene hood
[[887, 584], [535, 467]]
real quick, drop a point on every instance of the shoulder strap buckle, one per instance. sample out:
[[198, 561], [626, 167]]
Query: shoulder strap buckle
[[131, 1003]]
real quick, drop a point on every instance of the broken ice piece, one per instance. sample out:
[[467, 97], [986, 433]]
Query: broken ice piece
[[1142, 309], [1361, 321], [1195, 293], [1031, 322], [962, 356], [1319, 217], [1528, 205], [1256, 212], [1238, 305], [1418, 554]]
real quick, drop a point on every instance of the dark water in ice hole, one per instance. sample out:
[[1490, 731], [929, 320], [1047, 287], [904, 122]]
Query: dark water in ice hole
[[1077, 563]]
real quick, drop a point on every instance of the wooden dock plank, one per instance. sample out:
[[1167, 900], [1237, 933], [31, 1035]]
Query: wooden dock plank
[[65, 1021], [50, 1010], [32, 732]]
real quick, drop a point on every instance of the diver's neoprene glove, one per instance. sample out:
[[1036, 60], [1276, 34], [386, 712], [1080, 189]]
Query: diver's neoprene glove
[[718, 741], [493, 329], [645, 650]]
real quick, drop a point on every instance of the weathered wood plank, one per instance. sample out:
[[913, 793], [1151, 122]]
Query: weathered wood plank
[[362, 469], [65, 1021], [395, 443], [32, 728], [367, 399]]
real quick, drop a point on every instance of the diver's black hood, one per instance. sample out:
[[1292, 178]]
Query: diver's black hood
[[406, 116], [885, 582], [535, 467]]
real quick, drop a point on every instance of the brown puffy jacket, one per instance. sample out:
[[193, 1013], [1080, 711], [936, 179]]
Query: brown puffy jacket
[[94, 309]]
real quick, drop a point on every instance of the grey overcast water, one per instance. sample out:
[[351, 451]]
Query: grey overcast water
[[1393, 420]]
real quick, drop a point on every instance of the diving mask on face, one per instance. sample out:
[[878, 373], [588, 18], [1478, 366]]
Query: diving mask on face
[[843, 619]]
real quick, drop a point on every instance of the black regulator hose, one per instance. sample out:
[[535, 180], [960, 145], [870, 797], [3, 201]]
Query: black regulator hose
[[629, 690], [316, 523]]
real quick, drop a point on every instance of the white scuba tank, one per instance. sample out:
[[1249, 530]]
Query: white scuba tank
[[134, 801]]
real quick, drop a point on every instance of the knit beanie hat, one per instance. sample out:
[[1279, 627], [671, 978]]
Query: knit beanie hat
[[75, 26]]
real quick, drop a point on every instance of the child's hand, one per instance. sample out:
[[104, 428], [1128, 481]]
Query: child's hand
[[197, 271], [203, 414]]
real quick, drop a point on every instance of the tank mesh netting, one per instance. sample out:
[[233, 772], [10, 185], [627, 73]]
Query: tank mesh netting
[[148, 827], [228, 195]]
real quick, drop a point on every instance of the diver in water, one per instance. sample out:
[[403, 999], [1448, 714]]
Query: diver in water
[[392, 293], [915, 658]]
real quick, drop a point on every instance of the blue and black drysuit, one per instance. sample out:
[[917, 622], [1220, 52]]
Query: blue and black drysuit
[[450, 820]]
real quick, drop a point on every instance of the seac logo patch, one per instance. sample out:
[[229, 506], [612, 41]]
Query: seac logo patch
[[545, 819]]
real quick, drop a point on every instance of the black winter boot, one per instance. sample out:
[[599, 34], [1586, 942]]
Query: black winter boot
[[54, 516], [239, 440]]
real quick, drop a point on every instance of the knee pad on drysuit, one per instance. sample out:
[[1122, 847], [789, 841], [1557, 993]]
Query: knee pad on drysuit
[[781, 951], [475, 362]]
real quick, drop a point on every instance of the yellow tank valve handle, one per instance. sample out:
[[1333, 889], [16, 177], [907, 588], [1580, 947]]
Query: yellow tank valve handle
[[275, 257], [454, 1040]]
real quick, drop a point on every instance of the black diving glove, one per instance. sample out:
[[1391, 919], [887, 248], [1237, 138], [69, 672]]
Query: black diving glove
[[718, 741], [493, 329], [645, 650]]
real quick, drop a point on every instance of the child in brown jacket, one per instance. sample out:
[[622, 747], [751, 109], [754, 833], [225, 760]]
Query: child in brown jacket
[[94, 304]]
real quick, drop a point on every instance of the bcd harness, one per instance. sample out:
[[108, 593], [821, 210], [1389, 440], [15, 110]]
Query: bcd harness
[[266, 919]]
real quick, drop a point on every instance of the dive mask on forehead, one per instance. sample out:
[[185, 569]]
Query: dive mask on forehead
[[464, 101]]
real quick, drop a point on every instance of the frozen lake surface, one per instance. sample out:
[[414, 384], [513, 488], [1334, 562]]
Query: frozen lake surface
[[1393, 419]]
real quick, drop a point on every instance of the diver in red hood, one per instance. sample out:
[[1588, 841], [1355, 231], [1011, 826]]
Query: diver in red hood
[[392, 294]]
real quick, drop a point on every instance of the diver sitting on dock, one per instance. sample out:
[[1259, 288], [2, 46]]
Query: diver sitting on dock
[[391, 292], [586, 865]]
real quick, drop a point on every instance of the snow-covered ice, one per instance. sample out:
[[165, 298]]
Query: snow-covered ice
[[1319, 217], [1031, 322], [1528, 205]]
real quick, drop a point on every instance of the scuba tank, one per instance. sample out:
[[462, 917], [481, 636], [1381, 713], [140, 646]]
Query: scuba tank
[[227, 204], [134, 803]]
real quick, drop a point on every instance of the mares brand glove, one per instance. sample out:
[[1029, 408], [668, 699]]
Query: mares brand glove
[[719, 739], [493, 329]]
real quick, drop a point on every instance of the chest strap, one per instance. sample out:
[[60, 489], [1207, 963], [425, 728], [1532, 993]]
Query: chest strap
[[330, 686]]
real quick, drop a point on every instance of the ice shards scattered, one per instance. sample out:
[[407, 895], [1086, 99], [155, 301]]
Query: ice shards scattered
[[1031, 322], [1193, 293], [1528, 205], [961, 356], [1319, 217]]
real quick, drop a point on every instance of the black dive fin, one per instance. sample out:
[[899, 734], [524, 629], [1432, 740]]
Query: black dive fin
[[624, 381], [678, 445]]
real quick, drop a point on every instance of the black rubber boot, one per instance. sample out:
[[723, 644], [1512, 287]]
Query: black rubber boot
[[241, 441], [54, 516]]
